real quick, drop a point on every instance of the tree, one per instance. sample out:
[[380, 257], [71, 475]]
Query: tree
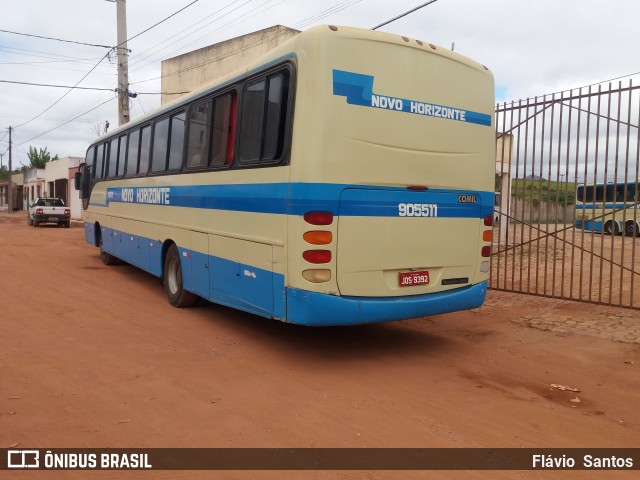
[[39, 158]]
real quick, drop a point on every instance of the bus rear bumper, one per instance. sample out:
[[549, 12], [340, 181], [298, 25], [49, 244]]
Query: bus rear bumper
[[321, 310]]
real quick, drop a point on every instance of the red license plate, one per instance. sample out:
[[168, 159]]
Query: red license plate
[[410, 279]]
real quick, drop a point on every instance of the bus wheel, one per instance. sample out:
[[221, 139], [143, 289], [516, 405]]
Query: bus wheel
[[612, 228], [177, 295], [106, 258], [631, 229]]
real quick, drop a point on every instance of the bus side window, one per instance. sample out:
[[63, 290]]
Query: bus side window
[[122, 154], [145, 150], [176, 141], [276, 111], [99, 161], [222, 129], [198, 141], [113, 158], [263, 119], [132, 152], [160, 140], [90, 158], [251, 122]]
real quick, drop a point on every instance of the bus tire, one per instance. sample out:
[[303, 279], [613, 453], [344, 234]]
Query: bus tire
[[29, 220], [106, 258], [173, 286], [631, 229], [612, 228]]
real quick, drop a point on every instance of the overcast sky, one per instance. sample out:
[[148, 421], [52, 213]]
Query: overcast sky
[[533, 48]]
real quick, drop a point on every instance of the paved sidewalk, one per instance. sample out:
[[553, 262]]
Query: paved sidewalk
[[562, 316], [623, 326]]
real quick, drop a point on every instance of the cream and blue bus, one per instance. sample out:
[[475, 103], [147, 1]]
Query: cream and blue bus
[[346, 177], [608, 207]]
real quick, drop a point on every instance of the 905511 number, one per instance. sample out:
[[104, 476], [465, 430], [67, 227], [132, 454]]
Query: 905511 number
[[417, 210]]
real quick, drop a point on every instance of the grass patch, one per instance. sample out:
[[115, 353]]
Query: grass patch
[[538, 191]]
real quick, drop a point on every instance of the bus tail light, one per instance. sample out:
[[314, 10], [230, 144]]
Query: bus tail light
[[39, 211], [317, 256], [319, 218], [318, 237], [487, 236], [317, 275], [67, 211]]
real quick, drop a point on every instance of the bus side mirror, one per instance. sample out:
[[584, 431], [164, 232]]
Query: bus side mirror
[[77, 180]]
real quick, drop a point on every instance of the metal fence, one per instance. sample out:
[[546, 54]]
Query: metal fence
[[567, 214]]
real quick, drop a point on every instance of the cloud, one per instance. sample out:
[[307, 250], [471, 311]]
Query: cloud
[[532, 48]]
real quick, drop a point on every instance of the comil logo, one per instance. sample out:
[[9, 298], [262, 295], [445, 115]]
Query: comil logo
[[23, 459], [467, 199]]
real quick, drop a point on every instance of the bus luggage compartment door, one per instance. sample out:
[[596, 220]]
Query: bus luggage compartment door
[[395, 242]]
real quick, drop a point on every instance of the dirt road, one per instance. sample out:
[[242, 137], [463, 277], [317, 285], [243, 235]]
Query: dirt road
[[94, 356]]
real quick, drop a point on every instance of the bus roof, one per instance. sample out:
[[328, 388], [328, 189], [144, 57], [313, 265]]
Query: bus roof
[[287, 50]]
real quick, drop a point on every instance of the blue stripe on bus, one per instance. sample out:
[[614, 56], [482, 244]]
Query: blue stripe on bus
[[358, 90], [316, 309], [262, 292], [590, 225], [300, 198], [222, 281], [607, 206]]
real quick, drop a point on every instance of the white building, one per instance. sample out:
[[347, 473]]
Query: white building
[[34, 185], [58, 177], [186, 72]]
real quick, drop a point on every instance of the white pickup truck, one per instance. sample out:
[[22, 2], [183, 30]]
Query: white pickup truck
[[49, 210]]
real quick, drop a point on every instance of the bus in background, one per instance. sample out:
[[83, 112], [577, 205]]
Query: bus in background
[[608, 207], [345, 177]]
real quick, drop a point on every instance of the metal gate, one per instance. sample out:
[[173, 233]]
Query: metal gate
[[567, 176]]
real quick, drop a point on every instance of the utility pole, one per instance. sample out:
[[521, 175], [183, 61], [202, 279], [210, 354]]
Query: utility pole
[[10, 190], [123, 63]]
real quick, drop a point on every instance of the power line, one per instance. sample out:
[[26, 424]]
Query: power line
[[57, 86], [47, 55], [67, 93], [136, 56], [404, 14], [314, 18], [56, 39], [74, 87], [100, 89], [67, 122], [161, 21], [299, 25]]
